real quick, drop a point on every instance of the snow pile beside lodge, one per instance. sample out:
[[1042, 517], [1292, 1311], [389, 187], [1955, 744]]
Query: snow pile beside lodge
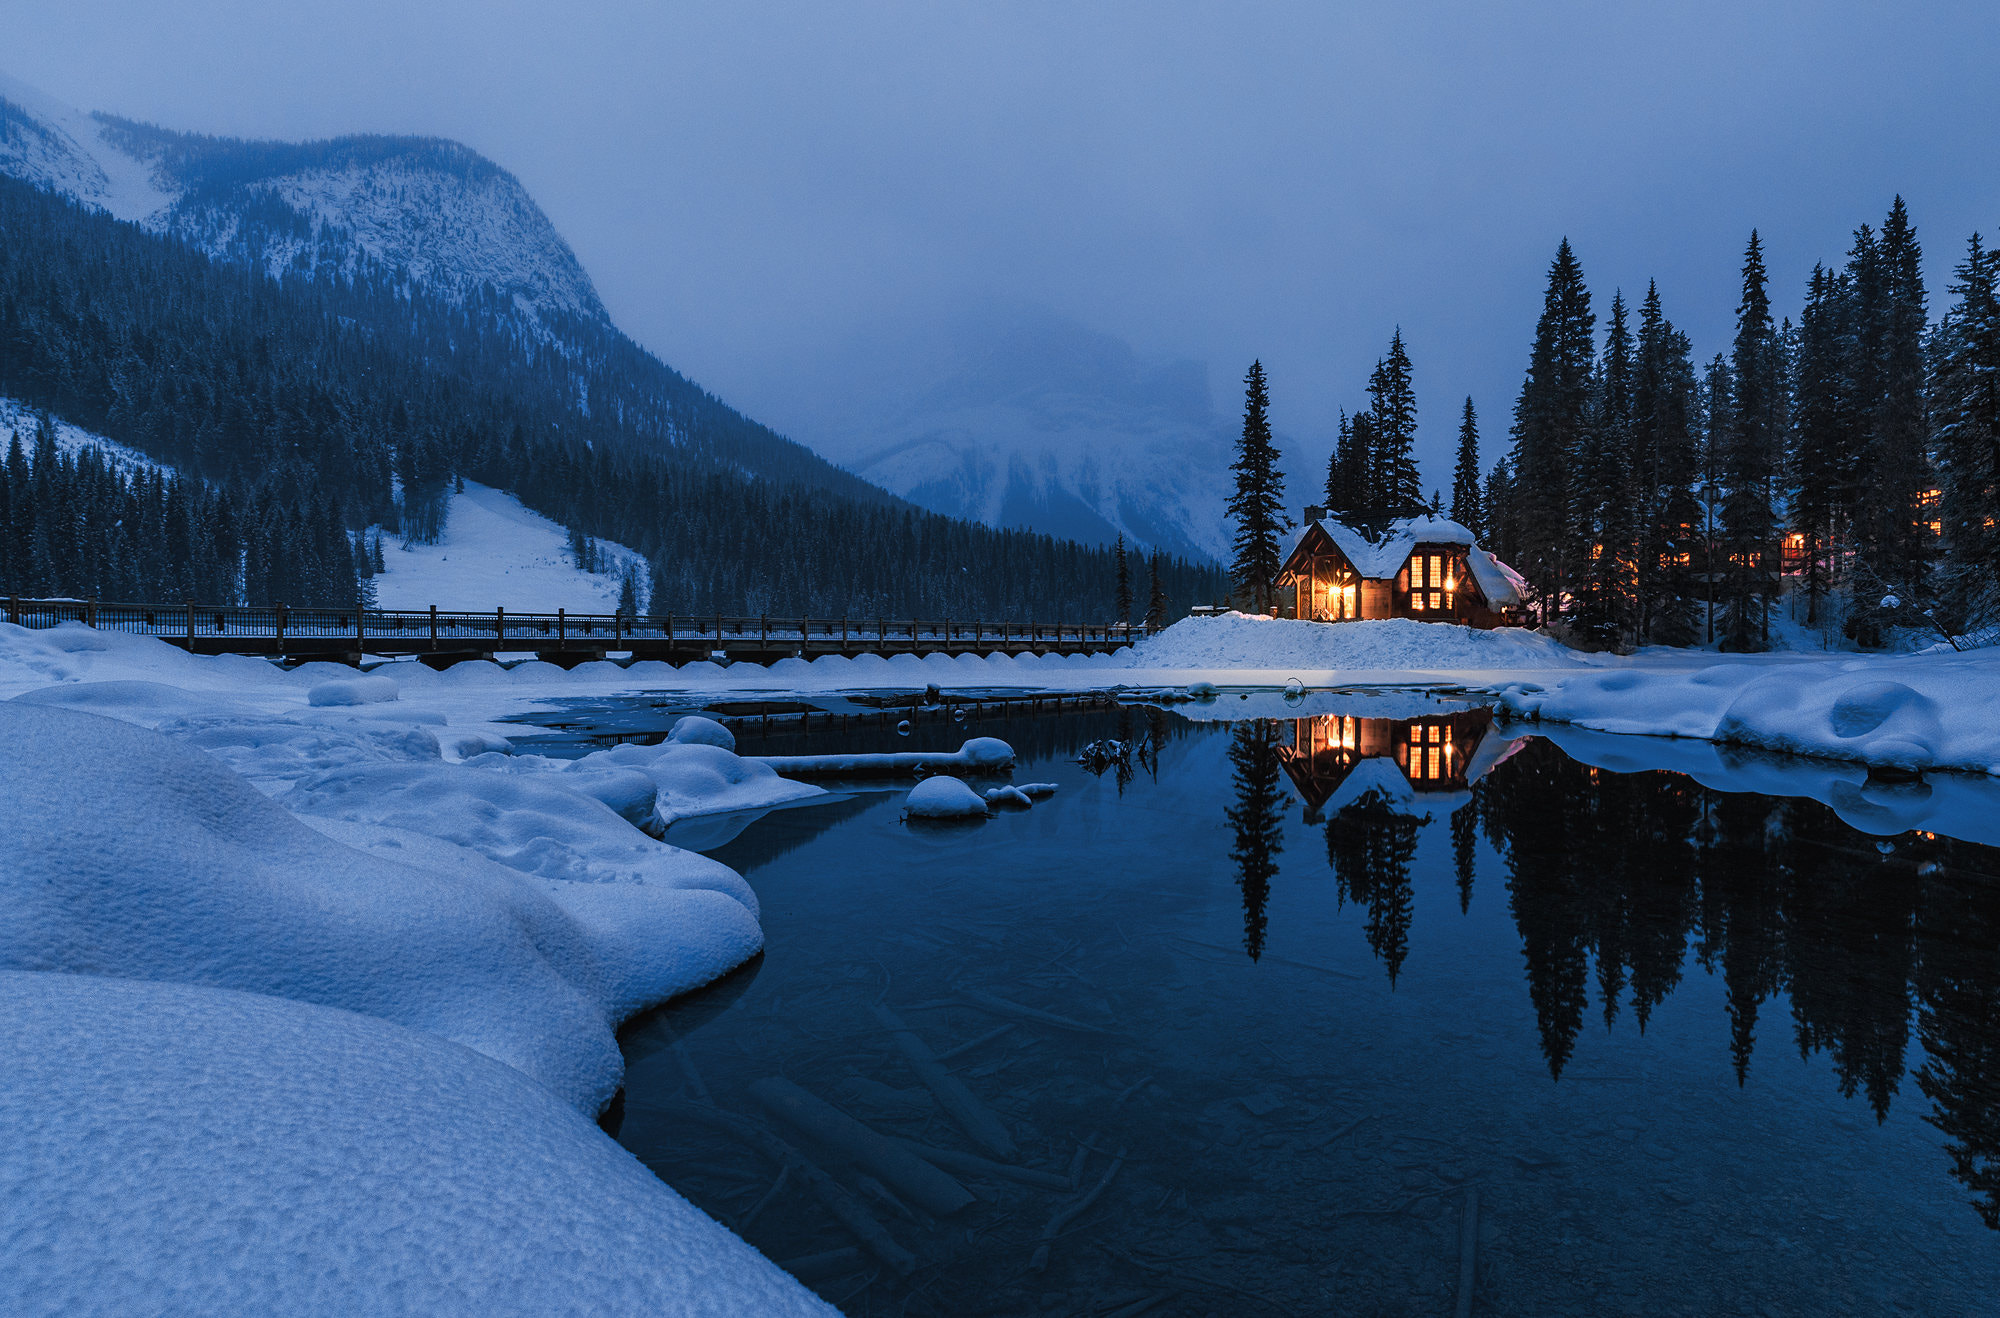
[[1428, 568]]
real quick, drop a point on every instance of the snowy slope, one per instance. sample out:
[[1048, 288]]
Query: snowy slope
[[17, 418], [497, 554], [451, 219], [65, 150]]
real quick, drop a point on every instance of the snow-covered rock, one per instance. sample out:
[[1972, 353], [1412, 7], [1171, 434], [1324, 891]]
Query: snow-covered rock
[[696, 778], [181, 1149], [696, 730], [944, 797], [353, 691]]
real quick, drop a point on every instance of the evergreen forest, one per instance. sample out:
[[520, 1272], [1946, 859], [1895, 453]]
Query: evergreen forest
[[291, 414]]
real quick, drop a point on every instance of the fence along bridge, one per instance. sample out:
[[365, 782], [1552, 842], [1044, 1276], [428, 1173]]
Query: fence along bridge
[[442, 638]]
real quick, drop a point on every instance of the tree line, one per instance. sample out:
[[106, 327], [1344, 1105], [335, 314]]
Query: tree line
[[1648, 499], [290, 406]]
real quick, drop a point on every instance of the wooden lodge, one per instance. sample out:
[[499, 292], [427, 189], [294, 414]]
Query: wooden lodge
[[1425, 568]]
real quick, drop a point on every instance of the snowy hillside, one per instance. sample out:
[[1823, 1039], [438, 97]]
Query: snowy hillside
[[1022, 418], [450, 218], [497, 554], [17, 418]]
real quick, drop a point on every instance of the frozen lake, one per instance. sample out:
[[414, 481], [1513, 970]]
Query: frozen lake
[[1679, 1050]]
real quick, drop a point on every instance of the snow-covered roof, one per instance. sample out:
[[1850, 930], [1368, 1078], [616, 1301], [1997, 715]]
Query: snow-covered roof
[[1384, 558]]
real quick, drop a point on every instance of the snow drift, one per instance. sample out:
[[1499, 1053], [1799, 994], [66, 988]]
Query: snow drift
[[132, 854], [280, 1158]]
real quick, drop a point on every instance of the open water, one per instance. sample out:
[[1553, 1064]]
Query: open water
[[1358, 1016]]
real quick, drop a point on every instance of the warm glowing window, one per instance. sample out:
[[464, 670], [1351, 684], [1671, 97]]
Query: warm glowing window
[[1417, 600], [1432, 770]]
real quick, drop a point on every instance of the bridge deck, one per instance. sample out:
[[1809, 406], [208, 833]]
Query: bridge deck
[[442, 637]]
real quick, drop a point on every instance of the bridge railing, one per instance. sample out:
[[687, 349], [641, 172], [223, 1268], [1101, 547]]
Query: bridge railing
[[425, 628]]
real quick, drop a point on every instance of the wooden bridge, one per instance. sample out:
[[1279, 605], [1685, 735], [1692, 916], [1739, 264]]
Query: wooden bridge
[[443, 638]]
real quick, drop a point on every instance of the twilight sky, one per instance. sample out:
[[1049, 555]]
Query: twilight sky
[[766, 192]]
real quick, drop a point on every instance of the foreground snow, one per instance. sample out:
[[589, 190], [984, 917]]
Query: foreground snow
[[179, 1149]]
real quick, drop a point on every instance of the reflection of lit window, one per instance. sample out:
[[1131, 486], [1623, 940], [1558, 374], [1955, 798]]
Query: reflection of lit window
[[1433, 758]]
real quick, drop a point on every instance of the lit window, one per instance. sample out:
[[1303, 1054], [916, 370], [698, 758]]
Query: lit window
[[1417, 600], [1433, 757]]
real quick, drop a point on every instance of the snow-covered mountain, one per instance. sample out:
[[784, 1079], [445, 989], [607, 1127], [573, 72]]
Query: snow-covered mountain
[[1020, 417], [443, 215]]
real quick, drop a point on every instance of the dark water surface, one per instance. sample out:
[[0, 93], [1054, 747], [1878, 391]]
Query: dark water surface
[[1365, 1002]]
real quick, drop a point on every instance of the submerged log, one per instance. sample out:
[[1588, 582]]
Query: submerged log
[[973, 1116], [1067, 1215], [1468, 1252], [902, 1170], [1003, 1007], [971, 1164], [851, 1212]]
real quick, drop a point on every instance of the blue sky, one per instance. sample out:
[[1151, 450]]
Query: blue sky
[[758, 188]]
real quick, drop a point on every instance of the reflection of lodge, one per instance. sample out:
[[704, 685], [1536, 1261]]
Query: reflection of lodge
[[1436, 754]]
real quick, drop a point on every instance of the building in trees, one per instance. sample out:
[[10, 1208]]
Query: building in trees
[[1425, 568]]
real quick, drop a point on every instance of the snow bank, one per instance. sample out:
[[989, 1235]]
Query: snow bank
[[281, 1158], [137, 855], [944, 797], [1909, 712], [1401, 645]]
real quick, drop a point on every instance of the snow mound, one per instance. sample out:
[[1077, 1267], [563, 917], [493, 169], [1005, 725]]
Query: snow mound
[[280, 1158], [1009, 796], [134, 855], [944, 797], [695, 730], [698, 778], [353, 691], [1244, 641]]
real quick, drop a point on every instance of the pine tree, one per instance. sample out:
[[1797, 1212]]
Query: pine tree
[[1899, 452], [1465, 507], [1550, 419], [1718, 407], [1663, 477], [1497, 504], [1966, 397], [1123, 599], [1749, 465], [1821, 421], [1601, 506], [1258, 503], [628, 594], [1156, 595], [1397, 485]]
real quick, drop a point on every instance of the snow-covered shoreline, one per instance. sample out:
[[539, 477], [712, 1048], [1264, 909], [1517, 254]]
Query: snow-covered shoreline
[[247, 855]]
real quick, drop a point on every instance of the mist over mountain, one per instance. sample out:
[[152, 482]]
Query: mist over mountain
[[1019, 417]]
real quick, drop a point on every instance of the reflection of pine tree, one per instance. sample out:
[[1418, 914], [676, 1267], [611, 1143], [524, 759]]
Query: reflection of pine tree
[[1741, 917], [1464, 826], [1370, 847], [1958, 1020], [1258, 820], [1850, 951]]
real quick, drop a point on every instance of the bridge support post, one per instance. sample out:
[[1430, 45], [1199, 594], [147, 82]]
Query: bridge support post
[[281, 630], [14, 609], [190, 626], [434, 626], [562, 627], [499, 626]]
